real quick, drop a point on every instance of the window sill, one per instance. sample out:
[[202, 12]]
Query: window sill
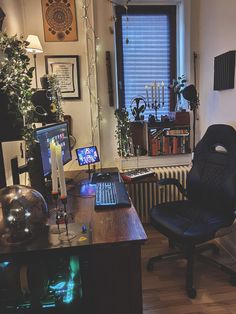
[[156, 161]]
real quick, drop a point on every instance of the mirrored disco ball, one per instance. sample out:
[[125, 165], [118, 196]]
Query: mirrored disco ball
[[24, 213]]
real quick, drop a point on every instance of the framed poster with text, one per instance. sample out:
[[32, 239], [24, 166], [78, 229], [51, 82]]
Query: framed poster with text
[[66, 68], [59, 20]]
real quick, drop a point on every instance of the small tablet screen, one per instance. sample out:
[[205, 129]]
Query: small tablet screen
[[87, 155]]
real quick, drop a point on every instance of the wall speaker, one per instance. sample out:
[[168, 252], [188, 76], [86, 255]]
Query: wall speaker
[[224, 68]]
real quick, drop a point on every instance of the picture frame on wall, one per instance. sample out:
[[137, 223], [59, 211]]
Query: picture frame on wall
[[59, 20], [66, 68]]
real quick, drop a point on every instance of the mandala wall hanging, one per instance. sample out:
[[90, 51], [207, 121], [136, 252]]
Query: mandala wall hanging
[[59, 19]]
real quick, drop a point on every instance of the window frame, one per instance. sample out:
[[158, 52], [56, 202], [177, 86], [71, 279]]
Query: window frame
[[120, 10]]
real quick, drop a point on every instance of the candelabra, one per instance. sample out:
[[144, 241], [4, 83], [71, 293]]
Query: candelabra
[[157, 96]]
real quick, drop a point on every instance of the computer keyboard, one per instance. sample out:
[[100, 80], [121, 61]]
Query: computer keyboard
[[111, 194]]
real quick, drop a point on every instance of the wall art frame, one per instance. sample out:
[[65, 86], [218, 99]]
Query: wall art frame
[[59, 20], [66, 68]]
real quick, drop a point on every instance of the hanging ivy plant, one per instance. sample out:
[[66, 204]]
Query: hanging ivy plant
[[122, 132], [15, 80], [55, 95]]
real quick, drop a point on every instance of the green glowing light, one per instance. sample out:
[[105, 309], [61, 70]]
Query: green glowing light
[[69, 294], [58, 286]]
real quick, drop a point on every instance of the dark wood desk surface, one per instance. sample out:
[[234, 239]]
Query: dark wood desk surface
[[113, 283], [109, 226]]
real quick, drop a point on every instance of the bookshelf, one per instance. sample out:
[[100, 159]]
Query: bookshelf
[[168, 140], [161, 138]]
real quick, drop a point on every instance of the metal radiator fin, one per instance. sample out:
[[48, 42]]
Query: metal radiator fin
[[146, 194]]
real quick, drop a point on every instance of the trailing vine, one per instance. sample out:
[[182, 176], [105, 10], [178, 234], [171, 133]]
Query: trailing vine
[[15, 80], [55, 96], [122, 132]]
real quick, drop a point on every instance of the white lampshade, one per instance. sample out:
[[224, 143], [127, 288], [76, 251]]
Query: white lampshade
[[34, 44]]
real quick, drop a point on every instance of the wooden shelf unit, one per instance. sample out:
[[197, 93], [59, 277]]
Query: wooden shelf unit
[[161, 138], [168, 140]]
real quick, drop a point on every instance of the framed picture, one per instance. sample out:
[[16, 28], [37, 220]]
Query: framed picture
[[59, 20], [66, 68]]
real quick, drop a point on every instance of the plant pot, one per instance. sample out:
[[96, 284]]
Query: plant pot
[[44, 82], [182, 118]]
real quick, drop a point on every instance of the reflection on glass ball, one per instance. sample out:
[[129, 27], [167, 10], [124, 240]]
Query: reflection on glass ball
[[24, 213]]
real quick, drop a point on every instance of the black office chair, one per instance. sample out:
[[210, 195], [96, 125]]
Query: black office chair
[[210, 207]]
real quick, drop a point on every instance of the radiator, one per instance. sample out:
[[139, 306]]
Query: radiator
[[146, 194]]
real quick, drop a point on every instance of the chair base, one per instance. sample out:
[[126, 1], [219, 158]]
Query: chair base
[[189, 253]]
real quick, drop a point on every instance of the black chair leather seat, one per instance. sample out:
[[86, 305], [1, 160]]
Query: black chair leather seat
[[209, 204], [187, 221]]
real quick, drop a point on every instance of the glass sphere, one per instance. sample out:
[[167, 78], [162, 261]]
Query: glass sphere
[[24, 213]]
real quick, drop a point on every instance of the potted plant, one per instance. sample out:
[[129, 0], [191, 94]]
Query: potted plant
[[51, 83], [15, 88], [122, 132], [177, 86]]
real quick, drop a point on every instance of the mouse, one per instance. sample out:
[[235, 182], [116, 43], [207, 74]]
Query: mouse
[[103, 176]]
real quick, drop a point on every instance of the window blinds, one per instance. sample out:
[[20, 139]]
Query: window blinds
[[146, 59]]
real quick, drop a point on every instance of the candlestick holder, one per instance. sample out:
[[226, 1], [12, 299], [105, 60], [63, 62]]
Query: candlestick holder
[[63, 218], [156, 106], [56, 209]]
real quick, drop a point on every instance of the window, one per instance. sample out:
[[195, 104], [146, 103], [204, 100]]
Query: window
[[146, 53]]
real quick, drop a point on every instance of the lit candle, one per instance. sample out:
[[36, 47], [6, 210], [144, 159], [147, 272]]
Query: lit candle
[[158, 92], [53, 168], [146, 87], [162, 87], [61, 172], [155, 90]]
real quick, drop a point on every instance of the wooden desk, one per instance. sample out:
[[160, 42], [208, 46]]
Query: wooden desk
[[114, 256]]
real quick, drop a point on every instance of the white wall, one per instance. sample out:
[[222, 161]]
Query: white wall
[[78, 109], [217, 25], [217, 35], [103, 22], [13, 22]]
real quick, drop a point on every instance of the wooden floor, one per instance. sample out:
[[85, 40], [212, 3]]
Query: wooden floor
[[164, 288]]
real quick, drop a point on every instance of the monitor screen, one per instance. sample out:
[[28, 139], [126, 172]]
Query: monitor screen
[[58, 133], [87, 155]]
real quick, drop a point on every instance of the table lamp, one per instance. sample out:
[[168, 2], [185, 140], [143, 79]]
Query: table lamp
[[34, 47]]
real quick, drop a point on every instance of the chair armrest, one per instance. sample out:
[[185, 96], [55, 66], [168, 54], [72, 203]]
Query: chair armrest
[[172, 181]]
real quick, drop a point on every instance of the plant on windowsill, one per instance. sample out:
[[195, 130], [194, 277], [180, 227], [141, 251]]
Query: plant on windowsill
[[177, 86], [122, 132], [51, 83], [15, 84]]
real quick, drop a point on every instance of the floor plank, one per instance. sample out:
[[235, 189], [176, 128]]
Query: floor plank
[[164, 288]]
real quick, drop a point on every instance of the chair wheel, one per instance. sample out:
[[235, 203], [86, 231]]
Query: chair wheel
[[192, 293], [150, 266], [232, 280]]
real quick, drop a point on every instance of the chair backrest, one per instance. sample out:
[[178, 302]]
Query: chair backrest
[[212, 179]]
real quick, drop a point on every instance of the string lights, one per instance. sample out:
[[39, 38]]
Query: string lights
[[92, 48], [125, 5]]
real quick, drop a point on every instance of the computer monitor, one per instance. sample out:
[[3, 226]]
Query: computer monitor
[[87, 155], [59, 134]]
